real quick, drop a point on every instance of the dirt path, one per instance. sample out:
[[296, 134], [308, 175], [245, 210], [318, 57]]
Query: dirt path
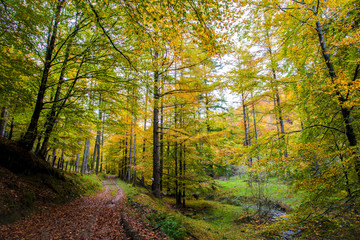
[[96, 217]]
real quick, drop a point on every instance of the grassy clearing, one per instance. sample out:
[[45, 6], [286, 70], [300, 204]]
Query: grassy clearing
[[273, 189], [202, 219]]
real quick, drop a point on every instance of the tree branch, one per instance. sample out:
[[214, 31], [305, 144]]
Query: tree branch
[[180, 91], [316, 125], [353, 80], [109, 38]]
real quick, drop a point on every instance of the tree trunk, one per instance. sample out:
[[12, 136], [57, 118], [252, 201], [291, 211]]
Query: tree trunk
[[177, 197], [156, 164], [145, 121], [246, 142], [168, 157], [98, 138], [27, 141], [53, 157], [161, 144], [94, 157], [134, 174], [58, 165], [184, 177], [345, 111], [121, 149], [51, 119], [77, 162], [86, 155], [3, 121], [62, 160], [11, 129], [130, 154], [179, 194], [255, 129], [102, 142], [125, 158]]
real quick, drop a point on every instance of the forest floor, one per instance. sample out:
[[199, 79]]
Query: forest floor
[[104, 216]]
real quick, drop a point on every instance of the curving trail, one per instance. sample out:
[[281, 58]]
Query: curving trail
[[96, 217]]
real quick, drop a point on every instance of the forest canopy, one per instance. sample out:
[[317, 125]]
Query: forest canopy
[[172, 94]]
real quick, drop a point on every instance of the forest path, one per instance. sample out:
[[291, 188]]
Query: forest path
[[95, 217]]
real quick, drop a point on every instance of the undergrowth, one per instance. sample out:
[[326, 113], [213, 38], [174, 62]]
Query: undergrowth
[[212, 220]]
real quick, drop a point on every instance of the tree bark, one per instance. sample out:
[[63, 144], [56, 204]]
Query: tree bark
[[130, 154], [156, 164], [27, 141], [134, 172], [184, 177], [11, 129], [125, 158], [178, 200], [53, 157], [77, 162], [51, 119], [246, 142], [86, 156], [3, 121], [345, 111], [161, 144]]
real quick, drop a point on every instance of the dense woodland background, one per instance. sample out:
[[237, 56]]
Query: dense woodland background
[[174, 94]]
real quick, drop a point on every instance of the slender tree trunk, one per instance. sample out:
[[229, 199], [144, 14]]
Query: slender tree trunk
[[130, 155], [168, 157], [176, 173], [134, 174], [96, 158], [179, 195], [98, 139], [29, 137], [246, 142], [77, 162], [255, 128], [255, 125], [156, 164], [161, 144], [11, 129], [176, 163], [58, 165], [121, 149], [62, 160], [246, 125], [184, 177], [125, 158], [145, 120], [345, 111], [85, 157], [51, 119], [53, 157], [66, 166], [3, 121], [102, 141]]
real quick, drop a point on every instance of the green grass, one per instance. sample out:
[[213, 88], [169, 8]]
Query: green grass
[[273, 189], [202, 219], [87, 184]]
